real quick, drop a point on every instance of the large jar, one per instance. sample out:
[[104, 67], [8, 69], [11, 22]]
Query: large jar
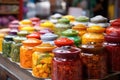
[[15, 48], [112, 38], [72, 34], [26, 51], [1, 40], [42, 60], [94, 58], [6, 45], [62, 25], [66, 64], [94, 34]]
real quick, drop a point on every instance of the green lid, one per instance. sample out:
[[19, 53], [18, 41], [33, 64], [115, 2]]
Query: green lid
[[82, 19], [64, 20], [70, 32]]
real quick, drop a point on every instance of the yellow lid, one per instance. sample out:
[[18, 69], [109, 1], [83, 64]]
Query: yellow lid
[[79, 27], [26, 22], [28, 28], [2, 35], [44, 47], [96, 29], [70, 17]]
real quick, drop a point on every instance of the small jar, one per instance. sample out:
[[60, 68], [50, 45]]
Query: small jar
[[15, 48], [66, 64], [6, 45], [62, 25], [26, 51], [1, 40], [94, 34], [112, 39], [94, 60], [42, 60], [72, 34], [80, 28]]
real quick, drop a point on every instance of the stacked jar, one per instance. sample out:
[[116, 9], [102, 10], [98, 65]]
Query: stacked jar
[[94, 56], [26, 51], [112, 38], [42, 60], [66, 62]]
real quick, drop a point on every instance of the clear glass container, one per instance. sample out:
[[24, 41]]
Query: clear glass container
[[66, 64], [26, 51], [42, 60], [15, 48], [94, 58]]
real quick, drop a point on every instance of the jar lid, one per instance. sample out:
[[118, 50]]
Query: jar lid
[[9, 37], [13, 32], [96, 29], [82, 19], [44, 47], [28, 28], [34, 35], [32, 42], [64, 20], [92, 47], [110, 38], [67, 52], [26, 22], [44, 31], [63, 42], [19, 39], [22, 33], [2, 35], [116, 22], [49, 37], [35, 19], [69, 17], [79, 27], [70, 32]]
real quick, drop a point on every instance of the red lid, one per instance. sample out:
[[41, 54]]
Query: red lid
[[35, 19], [34, 35], [63, 42], [114, 29]]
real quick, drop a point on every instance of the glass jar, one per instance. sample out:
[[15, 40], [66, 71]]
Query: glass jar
[[6, 45], [112, 39], [66, 64], [80, 28], [94, 34], [42, 60], [62, 25], [26, 51], [15, 48], [72, 34], [94, 60], [1, 40]]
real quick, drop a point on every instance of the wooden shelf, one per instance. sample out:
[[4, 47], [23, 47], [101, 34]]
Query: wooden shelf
[[6, 13], [9, 2]]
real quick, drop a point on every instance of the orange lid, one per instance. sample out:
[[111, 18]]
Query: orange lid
[[96, 29], [44, 47], [32, 42], [79, 27]]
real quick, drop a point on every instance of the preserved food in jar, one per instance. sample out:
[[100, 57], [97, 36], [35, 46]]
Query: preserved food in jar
[[42, 60], [94, 34], [15, 48], [26, 52], [67, 64], [6, 45], [94, 60], [112, 39]]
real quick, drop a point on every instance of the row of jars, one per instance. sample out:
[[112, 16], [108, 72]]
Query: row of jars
[[93, 54]]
